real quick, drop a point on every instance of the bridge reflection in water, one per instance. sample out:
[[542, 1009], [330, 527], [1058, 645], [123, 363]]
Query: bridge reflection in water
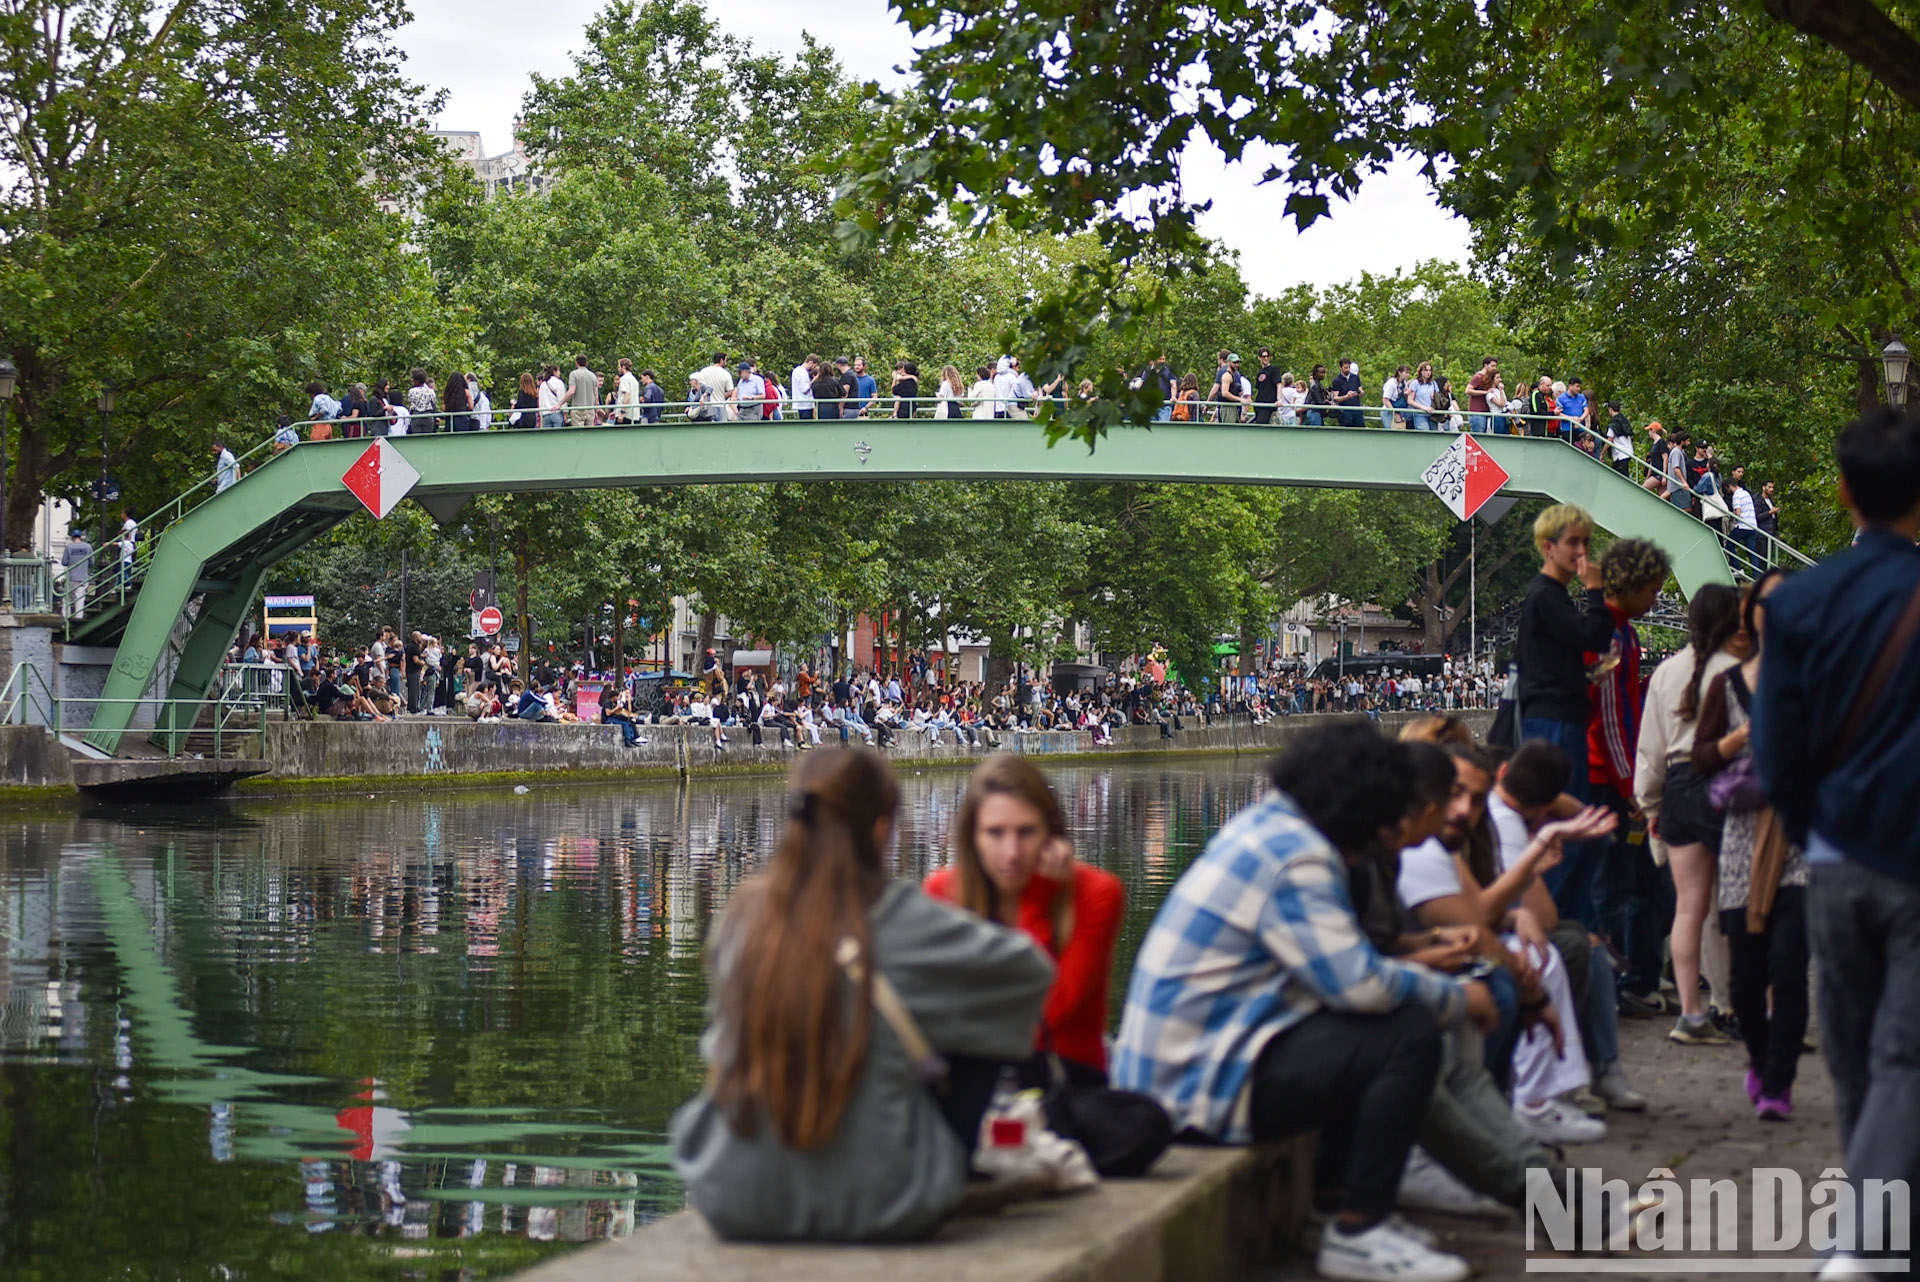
[[368, 1030]]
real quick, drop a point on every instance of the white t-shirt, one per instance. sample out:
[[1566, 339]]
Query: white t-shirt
[[802, 384], [553, 393], [1389, 391], [1427, 872], [983, 397], [1290, 397], [1511, 829], [715, 381], [629, 405], [1623, 444]]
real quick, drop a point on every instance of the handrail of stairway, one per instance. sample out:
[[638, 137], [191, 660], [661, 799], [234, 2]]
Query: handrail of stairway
[[15, 696]]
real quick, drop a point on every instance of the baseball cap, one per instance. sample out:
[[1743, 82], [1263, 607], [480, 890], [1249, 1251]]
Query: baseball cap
[[746, 364], [841, 360], [1233, 358]]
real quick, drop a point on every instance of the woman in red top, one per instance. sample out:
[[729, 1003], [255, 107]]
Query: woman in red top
[[1013, 863]]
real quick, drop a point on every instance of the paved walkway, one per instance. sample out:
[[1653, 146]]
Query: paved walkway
[[1697, 1124]]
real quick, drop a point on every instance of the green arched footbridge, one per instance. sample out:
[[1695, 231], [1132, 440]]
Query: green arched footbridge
[[219, 551]]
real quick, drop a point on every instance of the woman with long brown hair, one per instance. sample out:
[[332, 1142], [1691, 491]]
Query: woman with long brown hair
[[1013, 864], [1673, 795], [838, 996]]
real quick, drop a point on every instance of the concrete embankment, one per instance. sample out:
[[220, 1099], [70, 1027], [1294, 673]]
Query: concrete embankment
[[433, 753], [1201, 1215]]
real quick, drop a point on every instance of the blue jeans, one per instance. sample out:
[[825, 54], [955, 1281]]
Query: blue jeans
[[629, 732], [805, 413], [1572, 882], [1314, 418], [1352, 418], [1476, 422], [1419, 421], [553, 418], [1865, 930], [1164, 414]]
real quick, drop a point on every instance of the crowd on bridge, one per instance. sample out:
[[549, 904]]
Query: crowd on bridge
[[1416, 950], [742, 389]]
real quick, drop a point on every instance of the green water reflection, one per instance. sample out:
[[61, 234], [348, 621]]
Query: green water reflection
[[383, 1039]]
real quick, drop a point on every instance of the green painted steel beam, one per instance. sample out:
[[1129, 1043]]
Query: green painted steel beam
[[220, 617], [228, 526]]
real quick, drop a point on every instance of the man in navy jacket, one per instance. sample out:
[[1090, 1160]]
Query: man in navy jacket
[[1845, 786]]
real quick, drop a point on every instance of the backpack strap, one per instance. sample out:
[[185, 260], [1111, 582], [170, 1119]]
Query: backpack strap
[[1898, 642]]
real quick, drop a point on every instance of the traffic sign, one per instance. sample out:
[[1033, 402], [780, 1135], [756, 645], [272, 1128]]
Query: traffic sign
[[1465, 476], [490, 621]]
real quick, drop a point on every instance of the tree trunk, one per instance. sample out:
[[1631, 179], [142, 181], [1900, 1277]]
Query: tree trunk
[[522, 572], [619, 641], [702, 643]]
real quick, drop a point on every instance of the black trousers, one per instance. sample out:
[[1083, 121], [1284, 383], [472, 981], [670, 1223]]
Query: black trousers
[[1775, 958], [1364, 1081]]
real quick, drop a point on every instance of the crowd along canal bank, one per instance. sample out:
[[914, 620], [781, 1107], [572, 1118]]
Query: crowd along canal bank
[[427, 754]]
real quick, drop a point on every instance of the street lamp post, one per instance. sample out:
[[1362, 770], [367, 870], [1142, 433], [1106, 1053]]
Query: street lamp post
[[8, 377], [106, 418], [1895, 358]]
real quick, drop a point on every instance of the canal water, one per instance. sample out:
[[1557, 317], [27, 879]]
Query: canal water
[[386, 1038]]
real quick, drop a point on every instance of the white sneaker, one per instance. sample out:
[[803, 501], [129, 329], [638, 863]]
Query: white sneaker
[[1428, 1186], [1559, 1123], [1384, 1253]]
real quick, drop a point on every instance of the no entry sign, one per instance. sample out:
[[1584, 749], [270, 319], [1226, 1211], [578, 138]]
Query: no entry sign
[[490, 621]]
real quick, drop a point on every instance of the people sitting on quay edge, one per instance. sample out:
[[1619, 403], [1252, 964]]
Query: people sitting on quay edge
[[1260, 1009], [1013, 864], [1473, 1155], [621, 713], [1440, 886], [838, 997]]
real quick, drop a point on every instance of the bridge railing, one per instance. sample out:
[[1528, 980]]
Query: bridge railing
[[238, 723], [111, 582]]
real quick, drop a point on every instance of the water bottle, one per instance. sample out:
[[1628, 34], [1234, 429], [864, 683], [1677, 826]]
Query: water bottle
[[1006, 1129]]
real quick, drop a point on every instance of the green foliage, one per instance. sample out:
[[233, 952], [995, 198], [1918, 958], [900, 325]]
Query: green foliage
[[1580, 128], [182, 220]]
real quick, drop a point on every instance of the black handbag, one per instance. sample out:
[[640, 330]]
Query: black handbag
[[1123, 1132]]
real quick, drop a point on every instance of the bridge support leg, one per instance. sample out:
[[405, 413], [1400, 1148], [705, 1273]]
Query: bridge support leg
[[164, 594], [221, 614]]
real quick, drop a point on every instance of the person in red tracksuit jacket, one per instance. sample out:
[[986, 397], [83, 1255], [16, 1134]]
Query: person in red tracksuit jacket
[[1631, 909]]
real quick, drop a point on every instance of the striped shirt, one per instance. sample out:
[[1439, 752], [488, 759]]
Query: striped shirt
[[1259, 933]]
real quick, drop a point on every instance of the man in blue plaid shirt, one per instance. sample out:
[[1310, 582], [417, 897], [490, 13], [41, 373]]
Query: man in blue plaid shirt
[[1258, 1009]]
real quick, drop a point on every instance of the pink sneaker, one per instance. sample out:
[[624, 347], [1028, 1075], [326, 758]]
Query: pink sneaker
[[1774, 1108], [1753, 1086]]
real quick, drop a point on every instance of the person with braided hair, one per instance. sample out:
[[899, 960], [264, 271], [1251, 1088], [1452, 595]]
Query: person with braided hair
[[839, 998], [1674, 797]]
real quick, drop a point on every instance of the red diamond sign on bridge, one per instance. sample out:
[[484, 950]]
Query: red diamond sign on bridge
[[1465, 476], [380, 478]]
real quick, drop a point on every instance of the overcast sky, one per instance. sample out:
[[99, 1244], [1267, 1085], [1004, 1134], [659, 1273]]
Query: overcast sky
[[482, 51]]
